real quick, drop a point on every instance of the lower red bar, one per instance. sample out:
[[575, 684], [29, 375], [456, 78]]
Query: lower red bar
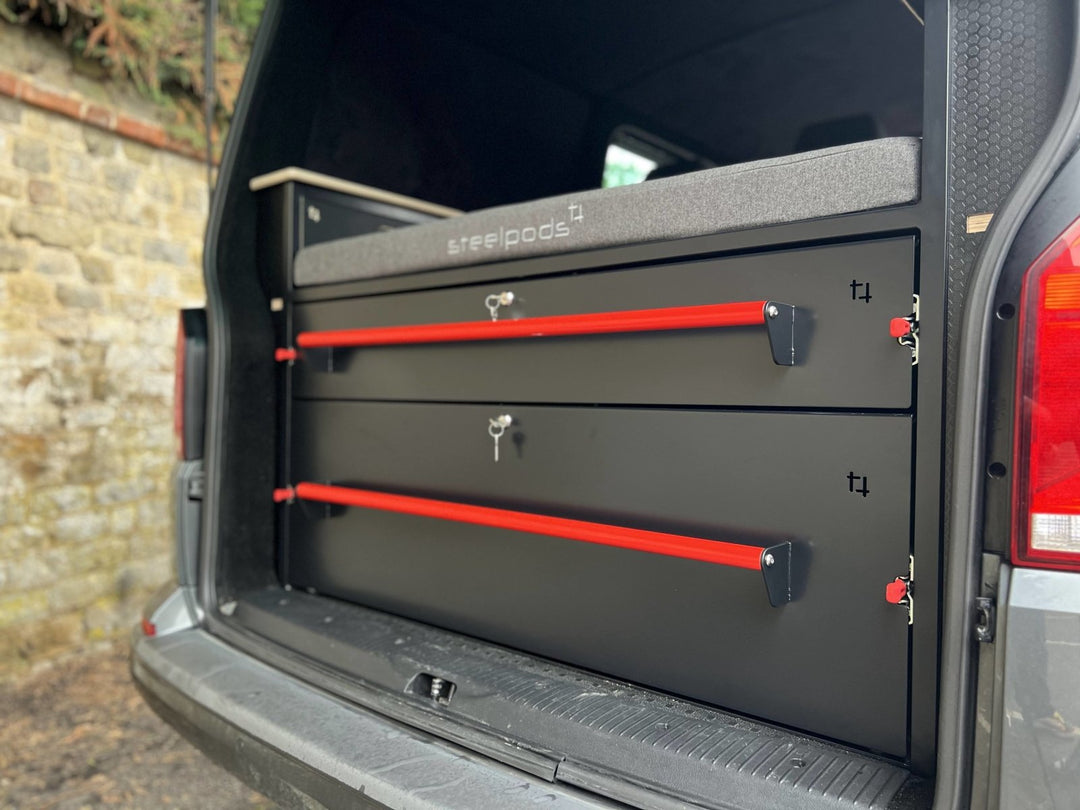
[[671, 545], [748, 313]]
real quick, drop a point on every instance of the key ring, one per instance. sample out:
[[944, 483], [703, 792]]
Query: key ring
[[497, 427], [496, 300]]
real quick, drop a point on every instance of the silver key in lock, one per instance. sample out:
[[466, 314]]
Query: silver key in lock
[[496, 300], [496, 428]]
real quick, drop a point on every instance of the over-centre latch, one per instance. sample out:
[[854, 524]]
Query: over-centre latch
[[899, 591], [906, 331]]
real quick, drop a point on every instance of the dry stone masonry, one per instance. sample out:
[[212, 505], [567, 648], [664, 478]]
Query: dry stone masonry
[[100, 244]]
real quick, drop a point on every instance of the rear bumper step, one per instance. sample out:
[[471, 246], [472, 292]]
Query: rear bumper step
[[611, 738], [297, 744]]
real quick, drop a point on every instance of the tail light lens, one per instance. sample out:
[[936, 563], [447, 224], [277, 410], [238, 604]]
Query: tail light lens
[[189, 403], [1046, 458]]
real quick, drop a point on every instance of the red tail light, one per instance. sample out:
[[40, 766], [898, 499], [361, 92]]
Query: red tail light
[[1046, 457]]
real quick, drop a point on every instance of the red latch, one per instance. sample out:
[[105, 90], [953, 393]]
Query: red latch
[[284, 494], [281, 355], [898, 327], [896, 591]]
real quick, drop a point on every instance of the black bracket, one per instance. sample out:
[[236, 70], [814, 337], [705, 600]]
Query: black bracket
[[319, 510], [780, 324], [321, 359], [776, 569]]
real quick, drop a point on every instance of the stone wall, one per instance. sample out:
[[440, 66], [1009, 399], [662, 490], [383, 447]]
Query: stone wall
[[100, 244]]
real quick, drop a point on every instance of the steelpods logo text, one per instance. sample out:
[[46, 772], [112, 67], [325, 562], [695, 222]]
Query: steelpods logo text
[[507, 238]]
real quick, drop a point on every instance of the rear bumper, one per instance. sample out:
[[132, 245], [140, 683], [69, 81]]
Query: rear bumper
[[303, 748]]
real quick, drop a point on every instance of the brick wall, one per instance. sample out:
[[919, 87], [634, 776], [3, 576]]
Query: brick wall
[[100, 243]]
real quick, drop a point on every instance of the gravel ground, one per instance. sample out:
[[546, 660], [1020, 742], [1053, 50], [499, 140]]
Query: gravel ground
[[78, 735]]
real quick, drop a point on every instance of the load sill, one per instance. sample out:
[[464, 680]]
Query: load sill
[[618, 740]]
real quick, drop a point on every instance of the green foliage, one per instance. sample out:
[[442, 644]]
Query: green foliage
[[155, 44]]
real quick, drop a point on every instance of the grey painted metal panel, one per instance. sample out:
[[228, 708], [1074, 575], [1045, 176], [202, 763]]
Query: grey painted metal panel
[[709, 631], [1040, 765], [845, 295], [810, 185]]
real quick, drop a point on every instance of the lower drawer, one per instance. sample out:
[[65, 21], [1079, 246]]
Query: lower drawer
[[838, 486]]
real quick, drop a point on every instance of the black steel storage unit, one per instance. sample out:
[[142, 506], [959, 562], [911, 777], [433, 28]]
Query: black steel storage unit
[[433, 471]]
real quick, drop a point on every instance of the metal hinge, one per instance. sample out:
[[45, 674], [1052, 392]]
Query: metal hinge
[[196, 486], [985, 619]]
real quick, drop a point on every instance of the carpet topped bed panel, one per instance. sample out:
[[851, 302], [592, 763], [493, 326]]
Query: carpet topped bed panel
[[827, 182]]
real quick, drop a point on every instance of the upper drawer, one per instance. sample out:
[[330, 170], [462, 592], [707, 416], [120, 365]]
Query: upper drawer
[[845, 296]]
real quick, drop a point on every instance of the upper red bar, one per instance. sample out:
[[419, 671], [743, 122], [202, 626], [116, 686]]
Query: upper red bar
[[671, 545], [748, 313]]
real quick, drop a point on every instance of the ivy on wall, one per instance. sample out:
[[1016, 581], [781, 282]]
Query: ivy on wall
[[155, 44]]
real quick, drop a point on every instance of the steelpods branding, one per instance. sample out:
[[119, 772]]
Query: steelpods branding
[[507, 238]]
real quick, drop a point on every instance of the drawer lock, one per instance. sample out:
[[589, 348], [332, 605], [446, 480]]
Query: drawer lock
[[496, 300], [497, 427]]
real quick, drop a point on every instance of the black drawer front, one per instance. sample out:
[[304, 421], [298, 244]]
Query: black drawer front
[[845, 295], [325, 215], [702, 630], [293, 215]]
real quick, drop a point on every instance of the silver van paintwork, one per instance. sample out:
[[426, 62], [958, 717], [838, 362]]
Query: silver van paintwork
[[1040, 769]]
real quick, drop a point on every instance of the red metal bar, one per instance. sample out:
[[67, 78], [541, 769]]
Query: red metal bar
[[671, 545], [705, 316]]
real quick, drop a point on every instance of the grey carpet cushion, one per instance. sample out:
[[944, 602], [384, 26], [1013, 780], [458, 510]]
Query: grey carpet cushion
[[840, 180]]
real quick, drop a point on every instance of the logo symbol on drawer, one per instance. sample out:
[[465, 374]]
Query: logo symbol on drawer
[[862, 488], [858, 293]]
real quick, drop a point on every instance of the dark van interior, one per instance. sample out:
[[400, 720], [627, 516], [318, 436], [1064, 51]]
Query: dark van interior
[[478, 104]]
